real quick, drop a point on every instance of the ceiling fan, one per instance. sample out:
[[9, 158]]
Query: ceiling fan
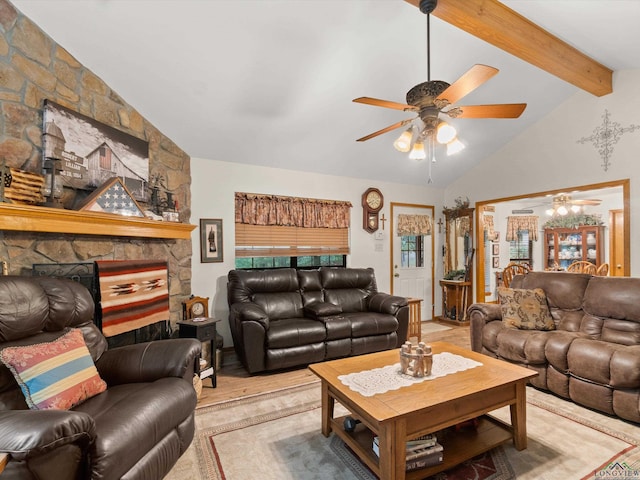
[[432, 98], [562, 204]]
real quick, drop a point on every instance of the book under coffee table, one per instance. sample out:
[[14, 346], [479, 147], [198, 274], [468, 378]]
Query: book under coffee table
[[399, 415]]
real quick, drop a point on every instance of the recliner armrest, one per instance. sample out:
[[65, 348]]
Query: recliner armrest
[[322, 309], [149, 361], [29, 433], [385, 303], [479, 314], [249, 312]]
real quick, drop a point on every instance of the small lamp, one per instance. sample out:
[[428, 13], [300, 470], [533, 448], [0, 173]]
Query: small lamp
[[454, 146], [417, 152], [403, 143], [445, 133], [53, 187]]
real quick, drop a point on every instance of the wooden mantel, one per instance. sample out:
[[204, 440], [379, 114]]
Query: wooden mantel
[[43, 219]]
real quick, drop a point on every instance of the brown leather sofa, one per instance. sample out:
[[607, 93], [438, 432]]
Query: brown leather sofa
[[136, 429], [593, 355], [284, 318]]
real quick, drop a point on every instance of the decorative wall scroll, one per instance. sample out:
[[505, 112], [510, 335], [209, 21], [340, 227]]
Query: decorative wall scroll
[[606, 136]]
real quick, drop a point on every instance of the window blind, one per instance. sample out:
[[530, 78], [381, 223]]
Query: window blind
[[281, 241]]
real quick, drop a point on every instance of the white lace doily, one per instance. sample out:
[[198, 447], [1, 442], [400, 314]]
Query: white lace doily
[[383, 379]]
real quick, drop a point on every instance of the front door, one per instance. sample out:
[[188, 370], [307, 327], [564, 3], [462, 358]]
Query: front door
[[412, 260]]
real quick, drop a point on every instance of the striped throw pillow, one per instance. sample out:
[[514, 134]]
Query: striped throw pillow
[[55, 375]]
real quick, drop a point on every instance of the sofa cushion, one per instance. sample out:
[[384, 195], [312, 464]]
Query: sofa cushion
[[522, 346], [367, 324], [131, 419], [293, 332], [525, 309], [57, 374], [564, 290]]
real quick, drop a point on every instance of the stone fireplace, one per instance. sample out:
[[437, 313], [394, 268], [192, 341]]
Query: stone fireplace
[[33, 67]]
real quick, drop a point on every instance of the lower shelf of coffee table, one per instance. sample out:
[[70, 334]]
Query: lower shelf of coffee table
[[458, 445]]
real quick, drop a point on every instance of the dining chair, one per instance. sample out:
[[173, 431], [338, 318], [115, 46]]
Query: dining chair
[[513, 269], [582, 266], [603, 270]]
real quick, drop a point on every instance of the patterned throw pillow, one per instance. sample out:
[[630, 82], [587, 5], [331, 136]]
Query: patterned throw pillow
[[525, 309], [55, 375]]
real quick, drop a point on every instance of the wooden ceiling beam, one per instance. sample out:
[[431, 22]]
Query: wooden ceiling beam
[[497, 24]]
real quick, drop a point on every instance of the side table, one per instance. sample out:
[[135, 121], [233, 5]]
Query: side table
[[204, 329]]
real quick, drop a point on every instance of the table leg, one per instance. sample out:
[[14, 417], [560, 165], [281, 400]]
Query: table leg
[[519, 417], [328, 404], [392, 438]]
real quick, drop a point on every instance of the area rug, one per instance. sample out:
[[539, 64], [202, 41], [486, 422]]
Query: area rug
[[432, 327], [277, 436]]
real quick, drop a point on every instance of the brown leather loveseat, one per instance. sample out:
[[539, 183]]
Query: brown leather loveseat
[[284, 318], [593, 355], [135, 429]]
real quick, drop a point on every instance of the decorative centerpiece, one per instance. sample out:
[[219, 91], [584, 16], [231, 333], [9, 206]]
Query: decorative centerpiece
[[416, 361]]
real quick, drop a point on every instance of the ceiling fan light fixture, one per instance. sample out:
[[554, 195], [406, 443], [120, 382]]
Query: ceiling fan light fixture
[[550, 211], [445, 133], [575, 208], [455, 146], [562, 210], [403, 142], [418, 152]]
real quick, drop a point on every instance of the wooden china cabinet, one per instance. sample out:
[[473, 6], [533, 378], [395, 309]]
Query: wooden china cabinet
[[563, 246]]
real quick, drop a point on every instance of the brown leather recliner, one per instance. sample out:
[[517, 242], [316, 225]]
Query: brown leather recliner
[[136, 429], [284, 318]]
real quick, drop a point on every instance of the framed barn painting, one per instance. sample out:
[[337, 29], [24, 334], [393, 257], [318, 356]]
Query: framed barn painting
[[211, 240], [92, 153]]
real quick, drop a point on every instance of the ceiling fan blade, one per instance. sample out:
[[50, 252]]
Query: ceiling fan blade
[[502, 110], [384, 103], [468, 82], [402, 123]]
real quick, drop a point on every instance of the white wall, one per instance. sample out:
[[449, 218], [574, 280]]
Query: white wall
[[212, 190], [548, 155]]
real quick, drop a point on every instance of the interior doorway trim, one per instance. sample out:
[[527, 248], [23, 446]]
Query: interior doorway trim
[[479, 283]]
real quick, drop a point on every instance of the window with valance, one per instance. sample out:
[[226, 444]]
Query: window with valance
[[272, 225], [413, 225], [487, 221], [522, 222]]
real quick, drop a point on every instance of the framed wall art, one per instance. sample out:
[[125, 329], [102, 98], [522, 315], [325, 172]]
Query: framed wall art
[[496, 262], [211, 240], [91, 153], [495, 249]]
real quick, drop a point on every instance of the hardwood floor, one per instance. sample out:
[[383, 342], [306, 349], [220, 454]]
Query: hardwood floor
[[234, 381]]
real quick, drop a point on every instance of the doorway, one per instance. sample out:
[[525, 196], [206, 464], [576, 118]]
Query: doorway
[[411, 259], [520, 203]]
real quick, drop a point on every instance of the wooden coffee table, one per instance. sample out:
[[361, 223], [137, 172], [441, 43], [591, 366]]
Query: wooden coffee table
[[398, 415]]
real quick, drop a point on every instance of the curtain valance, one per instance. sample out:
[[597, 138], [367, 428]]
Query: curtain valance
[[257, 209], [487, 222], [414, 225], [522, 222]]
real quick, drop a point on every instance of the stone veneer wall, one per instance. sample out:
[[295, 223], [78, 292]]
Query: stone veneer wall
[[34, 68]]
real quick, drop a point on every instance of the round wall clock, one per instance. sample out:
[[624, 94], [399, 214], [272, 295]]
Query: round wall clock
[[372, 203], [195, 307]]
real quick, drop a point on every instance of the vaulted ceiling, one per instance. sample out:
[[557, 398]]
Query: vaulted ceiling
[[271, 82]]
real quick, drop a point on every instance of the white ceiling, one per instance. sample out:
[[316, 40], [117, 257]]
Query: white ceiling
[[270, 82]]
